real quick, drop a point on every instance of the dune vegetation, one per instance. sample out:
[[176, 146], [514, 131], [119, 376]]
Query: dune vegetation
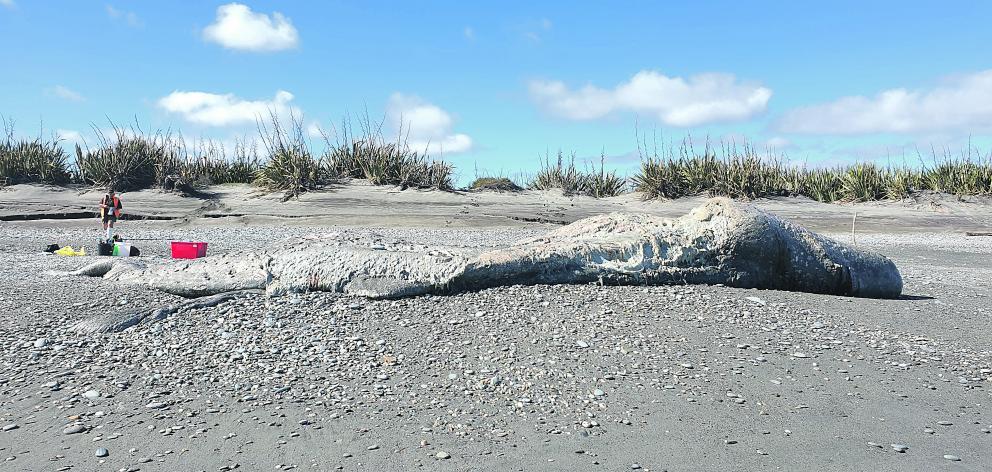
[[282, 159], [495, 183], [744, 172], [32, 161]]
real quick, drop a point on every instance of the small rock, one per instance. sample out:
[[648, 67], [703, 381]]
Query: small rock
[[635, 466], [900, 447], [74, 429], [156, 405], [952, 457], [756, 300], [102, 452], [582, 344], [91, 394], [41, 342], [442, 455], [598, 392], [11, 426]]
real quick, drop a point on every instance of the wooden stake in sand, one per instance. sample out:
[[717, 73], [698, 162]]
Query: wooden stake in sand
[[854, 236]]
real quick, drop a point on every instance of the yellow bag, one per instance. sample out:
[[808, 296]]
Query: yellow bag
[[68, 251]]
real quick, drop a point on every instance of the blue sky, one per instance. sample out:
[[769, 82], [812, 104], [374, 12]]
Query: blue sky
[[495, 85]]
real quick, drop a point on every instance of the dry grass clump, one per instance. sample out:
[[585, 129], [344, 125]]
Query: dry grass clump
[[562, 174], [498, 184], [383, 162], [37, 160], [240, 168], [601, 183], [290, 167]]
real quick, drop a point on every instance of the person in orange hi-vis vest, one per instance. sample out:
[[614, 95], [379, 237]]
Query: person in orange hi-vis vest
[[110, 210]]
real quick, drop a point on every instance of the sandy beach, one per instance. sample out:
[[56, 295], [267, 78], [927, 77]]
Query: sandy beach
[[581, 377]]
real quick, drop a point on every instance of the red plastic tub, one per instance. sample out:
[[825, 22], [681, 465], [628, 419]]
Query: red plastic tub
[[188, 250]]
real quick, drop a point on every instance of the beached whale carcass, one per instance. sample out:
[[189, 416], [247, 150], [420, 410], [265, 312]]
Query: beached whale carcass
[[719, 242]]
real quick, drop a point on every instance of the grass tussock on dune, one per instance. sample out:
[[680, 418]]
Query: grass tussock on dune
[[129, 158], [282, 159], [562, 174], [498, 184], [744, 172], [293, 167], [32, 160], [370, 155]]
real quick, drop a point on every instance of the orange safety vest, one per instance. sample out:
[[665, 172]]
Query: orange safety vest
[[117, 207]]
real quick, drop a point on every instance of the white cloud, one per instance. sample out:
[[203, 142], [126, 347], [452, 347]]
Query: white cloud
[[533, 30], [237, 27], [700, 99], [962, 103], [70, 136], [778, 143], [9, 4], [129, 17], [66, 93], [427, 126], [222, 110], [315, 130]]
